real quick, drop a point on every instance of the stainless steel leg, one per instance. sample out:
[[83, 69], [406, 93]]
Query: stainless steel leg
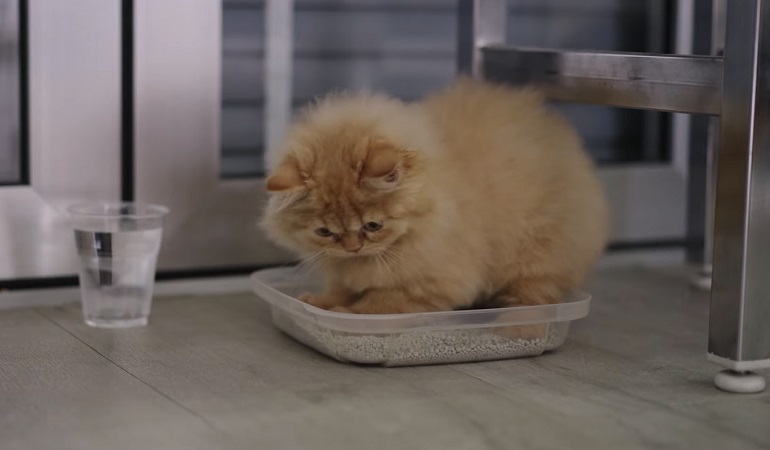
[[739, 335], [703, 278], [480, 23], [718, 27]]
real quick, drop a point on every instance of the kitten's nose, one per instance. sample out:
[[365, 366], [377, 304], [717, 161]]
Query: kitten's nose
[[352, 242]]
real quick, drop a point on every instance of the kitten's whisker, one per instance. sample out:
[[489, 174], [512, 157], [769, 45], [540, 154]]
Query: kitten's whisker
[[381, 259], [392, 271], [381, 265], [391, 259], [403, 266], [310, 259], [312, 262]]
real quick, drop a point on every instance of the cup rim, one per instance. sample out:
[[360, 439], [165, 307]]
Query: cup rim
[[105, 209]]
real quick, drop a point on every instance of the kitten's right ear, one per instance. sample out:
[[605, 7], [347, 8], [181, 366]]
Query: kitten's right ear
[[285, 177], [383, 166]]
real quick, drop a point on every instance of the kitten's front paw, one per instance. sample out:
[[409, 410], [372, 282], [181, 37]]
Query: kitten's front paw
[[313, 300], [320, 301], [342, 309], [307, 297]]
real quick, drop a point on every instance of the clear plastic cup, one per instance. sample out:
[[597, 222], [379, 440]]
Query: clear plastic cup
[[118, 247]]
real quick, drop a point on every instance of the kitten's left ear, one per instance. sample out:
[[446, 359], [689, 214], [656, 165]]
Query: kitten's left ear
[[383, 167], [285, 177]]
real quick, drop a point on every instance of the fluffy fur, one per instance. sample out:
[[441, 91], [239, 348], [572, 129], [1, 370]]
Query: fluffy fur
[[480, 191]]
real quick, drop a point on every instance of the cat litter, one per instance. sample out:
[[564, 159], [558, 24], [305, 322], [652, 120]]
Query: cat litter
[[420, 338], [415, 348]]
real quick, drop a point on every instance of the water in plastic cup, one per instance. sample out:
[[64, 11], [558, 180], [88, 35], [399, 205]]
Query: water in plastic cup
[[118, 245]]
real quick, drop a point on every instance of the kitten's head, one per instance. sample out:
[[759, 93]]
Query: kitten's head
[[351, 179]]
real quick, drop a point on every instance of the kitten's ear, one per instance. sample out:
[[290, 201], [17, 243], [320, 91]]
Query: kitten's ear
[[382, 166], [285, 177]]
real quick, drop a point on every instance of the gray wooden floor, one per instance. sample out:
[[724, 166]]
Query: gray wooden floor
[[212, 373]]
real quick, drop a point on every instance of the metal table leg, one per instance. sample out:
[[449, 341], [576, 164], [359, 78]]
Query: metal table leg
[[480, 23], [700, 207], [739, 326]]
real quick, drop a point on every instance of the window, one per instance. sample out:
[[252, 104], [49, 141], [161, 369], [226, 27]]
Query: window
[[407, 48], [242, 84], [12, 170]]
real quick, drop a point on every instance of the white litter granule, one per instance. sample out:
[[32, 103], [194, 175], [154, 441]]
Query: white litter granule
[[417, 347]]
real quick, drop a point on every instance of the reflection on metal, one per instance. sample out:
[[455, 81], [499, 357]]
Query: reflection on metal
[[479, 24], [279, 56], [10, 151], [74, 101], [213, 223], [717, 48], [658, 82], [739, 335], [704, 134]]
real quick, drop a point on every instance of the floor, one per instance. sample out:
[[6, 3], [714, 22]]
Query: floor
[[211, 372]]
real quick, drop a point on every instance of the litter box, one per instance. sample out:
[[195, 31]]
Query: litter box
[[415, 338]]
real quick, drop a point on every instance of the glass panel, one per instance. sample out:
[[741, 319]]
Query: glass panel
[[10, 96], [407, 48], [242, 84]]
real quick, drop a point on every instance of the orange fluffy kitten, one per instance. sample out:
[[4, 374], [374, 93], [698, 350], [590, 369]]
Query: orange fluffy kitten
[[477, 192]]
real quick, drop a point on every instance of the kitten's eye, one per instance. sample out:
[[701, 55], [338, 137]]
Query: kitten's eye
[[372, 226], [324, 232]]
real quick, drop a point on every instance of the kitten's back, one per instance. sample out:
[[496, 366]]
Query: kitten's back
[[521, 170]]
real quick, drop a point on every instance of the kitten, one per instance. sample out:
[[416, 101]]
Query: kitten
[[477, 191]]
